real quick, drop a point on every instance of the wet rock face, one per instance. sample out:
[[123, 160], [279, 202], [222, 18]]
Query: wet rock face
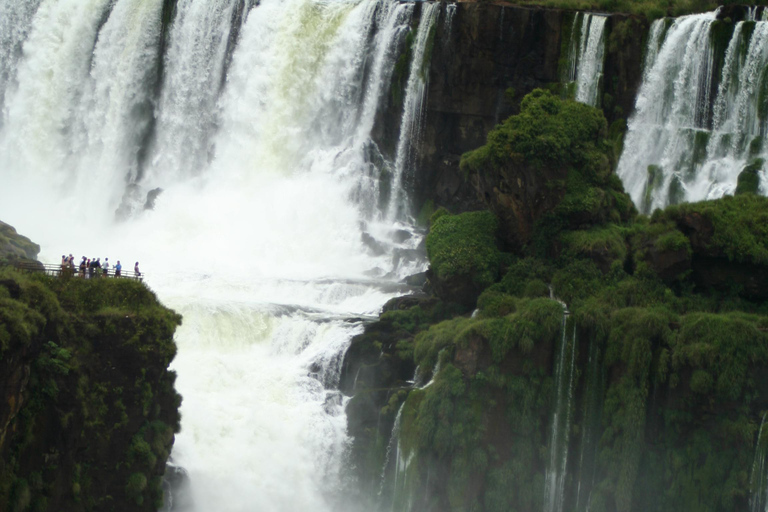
[[484, 62], [519, 196], [713, 269], [14, 246], [485, 51]]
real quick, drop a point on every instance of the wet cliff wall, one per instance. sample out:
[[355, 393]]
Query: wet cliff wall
[[485, 58]]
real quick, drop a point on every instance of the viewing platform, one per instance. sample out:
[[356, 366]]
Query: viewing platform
[[59, 271]]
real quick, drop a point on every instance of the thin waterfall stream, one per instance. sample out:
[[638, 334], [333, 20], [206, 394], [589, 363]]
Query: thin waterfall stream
[[555, 478]]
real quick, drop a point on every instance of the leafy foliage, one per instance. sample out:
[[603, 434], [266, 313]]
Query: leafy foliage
[[465, 246], [96, 352]]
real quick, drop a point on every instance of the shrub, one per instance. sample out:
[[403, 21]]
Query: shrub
[[465, 246]]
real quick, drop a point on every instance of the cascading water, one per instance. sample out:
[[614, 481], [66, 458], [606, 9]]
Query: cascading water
[[590, 427], [758, 480], [695, 129], [260, 144], [586, 53], [15, 22], [554, 484], [194, 66], [413, 105], [450, 12]]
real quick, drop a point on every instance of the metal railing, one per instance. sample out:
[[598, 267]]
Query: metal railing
[[75, 272]]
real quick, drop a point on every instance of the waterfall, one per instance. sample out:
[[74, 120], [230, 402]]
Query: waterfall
[[450, 12], [255, 121], [758, 480], [655, 40], [15, 22], [590, 427], [413, 106], [194, 72], [554, 484], [393, 442], [585, 57], [697, 123]]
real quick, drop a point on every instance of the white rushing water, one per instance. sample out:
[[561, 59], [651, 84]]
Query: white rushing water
[[255, 122], [586, 53], [695, 129]]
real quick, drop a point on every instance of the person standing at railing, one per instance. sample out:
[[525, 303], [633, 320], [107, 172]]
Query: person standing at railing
[[118, 269], [136, 270], [106, 267], [83, 266], [65, 265]]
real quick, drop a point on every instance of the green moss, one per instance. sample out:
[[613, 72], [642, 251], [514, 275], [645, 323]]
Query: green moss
[[520, 273], [652, 184], [608, 241], [495, 304], [673, 241], [676, 191], [82, 341], [135, 487], [548, 131], [536, 321], [749, 178], [465, 246], [725, 346], [740, 225]]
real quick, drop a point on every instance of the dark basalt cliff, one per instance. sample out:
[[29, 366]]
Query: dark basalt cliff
[[485, 59], [88, 410]]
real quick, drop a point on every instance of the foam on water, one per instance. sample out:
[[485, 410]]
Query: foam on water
[[255, 239]]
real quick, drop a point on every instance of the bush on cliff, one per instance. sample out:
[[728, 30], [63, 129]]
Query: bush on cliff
[[548, 168], [92, 426], [736, 227], [464, 258]]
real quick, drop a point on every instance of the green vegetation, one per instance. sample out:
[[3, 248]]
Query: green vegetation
[[569, 146], [749, 179], [739, 224], [548, 131], [14, 246], [97, 353], [464, 246], [669, 387]]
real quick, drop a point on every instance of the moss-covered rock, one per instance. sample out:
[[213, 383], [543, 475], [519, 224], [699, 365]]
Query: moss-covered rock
[[464, 257], [89, 409], [14, 247], [749, 178], [666, 335], [729, 242], [550, 164]]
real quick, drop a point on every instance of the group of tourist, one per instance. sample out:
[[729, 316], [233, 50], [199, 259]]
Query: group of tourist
[[93, 267]]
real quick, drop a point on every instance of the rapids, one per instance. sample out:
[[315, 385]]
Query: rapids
[[255, 123]]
